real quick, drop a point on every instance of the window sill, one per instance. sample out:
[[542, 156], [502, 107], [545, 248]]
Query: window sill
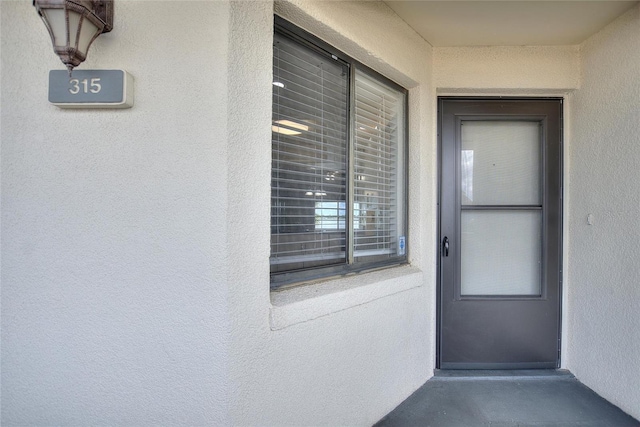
[[304, 303]]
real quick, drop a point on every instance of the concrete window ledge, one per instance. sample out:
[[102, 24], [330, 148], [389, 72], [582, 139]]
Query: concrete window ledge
[[304, 303]]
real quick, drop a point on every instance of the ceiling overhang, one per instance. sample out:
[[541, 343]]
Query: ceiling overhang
[[507, 22]]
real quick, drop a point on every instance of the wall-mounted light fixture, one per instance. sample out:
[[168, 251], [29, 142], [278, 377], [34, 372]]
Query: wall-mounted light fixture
[[74, 25]]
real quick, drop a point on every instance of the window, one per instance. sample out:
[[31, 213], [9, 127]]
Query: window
[[338, 174]]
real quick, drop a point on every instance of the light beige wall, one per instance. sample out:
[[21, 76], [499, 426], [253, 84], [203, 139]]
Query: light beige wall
[[135, 275], [604, 258], [114, 247], [135, 243], [506, 69], [345, 351]]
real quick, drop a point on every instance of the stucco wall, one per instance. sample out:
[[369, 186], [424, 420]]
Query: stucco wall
[[114, 253], [135, 243], [347, 351], [506, 69], [604, 269]]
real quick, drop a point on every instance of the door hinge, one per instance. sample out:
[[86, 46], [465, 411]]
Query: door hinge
[[559, 349]]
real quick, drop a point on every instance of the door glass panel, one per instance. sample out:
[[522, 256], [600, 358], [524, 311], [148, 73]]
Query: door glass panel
[[500, 163], [501, 252]]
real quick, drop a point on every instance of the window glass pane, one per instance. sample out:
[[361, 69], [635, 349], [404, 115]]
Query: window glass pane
[[500, 163], [338, 163], [378, 219], [309, 155]]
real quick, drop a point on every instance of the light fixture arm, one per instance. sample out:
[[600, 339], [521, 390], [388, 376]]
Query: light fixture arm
[[103, 9]]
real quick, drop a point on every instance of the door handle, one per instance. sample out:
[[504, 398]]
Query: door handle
[[445, 246]]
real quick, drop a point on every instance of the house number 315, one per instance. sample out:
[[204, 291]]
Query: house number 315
[[85, 85]]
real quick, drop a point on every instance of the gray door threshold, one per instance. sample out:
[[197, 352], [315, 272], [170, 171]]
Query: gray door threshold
[[500, 374]]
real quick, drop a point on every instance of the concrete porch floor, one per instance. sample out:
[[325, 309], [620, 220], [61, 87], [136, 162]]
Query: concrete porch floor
[[506, 398]]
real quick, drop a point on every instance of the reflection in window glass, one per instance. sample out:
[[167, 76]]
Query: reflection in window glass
[[332, 215], [467, 176]]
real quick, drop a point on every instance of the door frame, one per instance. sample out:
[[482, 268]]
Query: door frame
[[562, 228]]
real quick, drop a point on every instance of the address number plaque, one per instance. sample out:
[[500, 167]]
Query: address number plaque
[[91, 89]]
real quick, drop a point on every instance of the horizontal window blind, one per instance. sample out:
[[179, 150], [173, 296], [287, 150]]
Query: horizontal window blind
[[309, 157], [378, 168], [338, 174]]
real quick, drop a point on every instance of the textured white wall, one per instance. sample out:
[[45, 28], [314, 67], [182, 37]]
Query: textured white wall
[[113, 226], [526, 69], [135, 274], [355, 360], [135, 279], [604, 267]]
